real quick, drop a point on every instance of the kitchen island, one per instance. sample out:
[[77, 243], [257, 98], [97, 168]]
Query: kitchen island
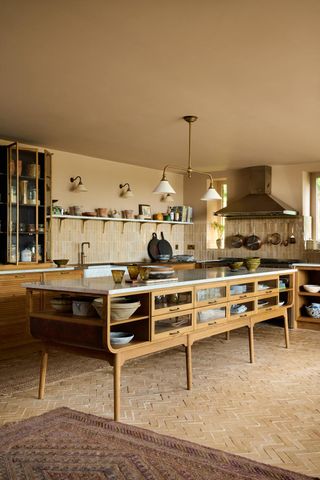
[[199, 304]]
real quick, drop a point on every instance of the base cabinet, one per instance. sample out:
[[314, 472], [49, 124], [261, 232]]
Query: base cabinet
[[14, 330], [165, 318], [307, 276]]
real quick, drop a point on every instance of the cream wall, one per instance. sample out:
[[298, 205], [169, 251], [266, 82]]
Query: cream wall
[[102, 178], [113, 241]]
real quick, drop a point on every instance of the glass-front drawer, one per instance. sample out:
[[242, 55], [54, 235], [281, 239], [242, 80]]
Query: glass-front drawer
[[241, 290], [166, 301], [242, 309], [209, 295], [269, 302], [267, 285], [211, 315], [170, 325]]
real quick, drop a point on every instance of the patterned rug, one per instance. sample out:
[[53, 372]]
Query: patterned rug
[[68, 445], [22, 373]]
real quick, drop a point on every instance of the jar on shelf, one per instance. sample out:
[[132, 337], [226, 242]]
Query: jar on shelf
[[26, 255], [24, 192]]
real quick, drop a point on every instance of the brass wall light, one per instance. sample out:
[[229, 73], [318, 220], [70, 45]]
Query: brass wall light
[[125, 193], [167, 198], [164, 186], [78, 187]]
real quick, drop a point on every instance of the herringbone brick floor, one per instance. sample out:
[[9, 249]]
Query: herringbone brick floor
[[268, 411]]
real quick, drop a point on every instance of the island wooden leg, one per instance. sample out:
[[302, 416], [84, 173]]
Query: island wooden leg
[[228, 335], [43, 373], [189, 366], [286, 328], [116, 387], [251, 343]]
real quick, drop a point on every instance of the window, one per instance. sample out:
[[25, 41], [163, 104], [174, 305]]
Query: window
[[314, 231], [216, 225]]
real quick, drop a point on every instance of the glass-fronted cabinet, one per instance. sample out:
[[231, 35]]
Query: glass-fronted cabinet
[[25, 203]]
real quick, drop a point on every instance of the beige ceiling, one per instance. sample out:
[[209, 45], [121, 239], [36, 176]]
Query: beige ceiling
[[112, 79]]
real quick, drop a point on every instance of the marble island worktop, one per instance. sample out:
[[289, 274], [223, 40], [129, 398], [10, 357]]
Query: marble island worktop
[[106, 285]]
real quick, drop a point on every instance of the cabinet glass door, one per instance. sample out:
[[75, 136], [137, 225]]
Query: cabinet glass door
[[268, 302], [267, 285], [13, 211], [242, 309], [171, 325], [211, 294], [211, 315], [241, 290], [166, 301]]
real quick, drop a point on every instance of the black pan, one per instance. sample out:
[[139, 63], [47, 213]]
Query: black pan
[[153, 250], [237, 241], [164, 246], [253, 242]]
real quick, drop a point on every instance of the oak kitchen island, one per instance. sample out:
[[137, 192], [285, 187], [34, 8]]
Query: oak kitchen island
[[199, 304]]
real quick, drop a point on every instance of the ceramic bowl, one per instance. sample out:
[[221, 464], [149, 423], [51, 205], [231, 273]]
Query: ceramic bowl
[[61, 304], [235, 266], [313, 311], [120, 338], [123, 310], [312, 288], [252, 263], [60, 262]]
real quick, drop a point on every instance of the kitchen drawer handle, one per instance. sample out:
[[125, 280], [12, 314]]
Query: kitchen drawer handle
[[212, 301], [19, 276], [174, 309], [243, 315], [269, 291], [270, 308], [174, 333], [243, 296], [212, 323]]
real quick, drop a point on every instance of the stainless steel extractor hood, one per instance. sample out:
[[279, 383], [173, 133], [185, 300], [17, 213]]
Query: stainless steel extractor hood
[[258, 202]]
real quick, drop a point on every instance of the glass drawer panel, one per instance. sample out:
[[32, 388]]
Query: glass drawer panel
[[211, 314], [173, 324], [242, 309], [267, 285], [210, 294], [267, 302], [172, 301], [242, 290]]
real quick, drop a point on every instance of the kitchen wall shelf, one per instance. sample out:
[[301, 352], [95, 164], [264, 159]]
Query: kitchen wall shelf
[[85, 219]]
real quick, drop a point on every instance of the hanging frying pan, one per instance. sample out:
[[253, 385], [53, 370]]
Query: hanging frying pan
[[253, 242], [275, 238], [237, 241], [164, 246], [153, 250]]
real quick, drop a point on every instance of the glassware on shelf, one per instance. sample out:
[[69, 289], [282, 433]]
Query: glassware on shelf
[[24, 192]]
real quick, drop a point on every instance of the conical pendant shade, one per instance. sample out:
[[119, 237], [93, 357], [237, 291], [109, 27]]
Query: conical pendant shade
[[211, 194], [164, 187]]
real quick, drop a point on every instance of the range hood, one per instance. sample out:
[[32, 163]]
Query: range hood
[[258, 202]]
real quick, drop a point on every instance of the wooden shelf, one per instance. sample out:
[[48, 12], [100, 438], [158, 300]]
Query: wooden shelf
[[110, 219], [131, 344], [308, 319], [309, 294], [68, 318], [128, 320]]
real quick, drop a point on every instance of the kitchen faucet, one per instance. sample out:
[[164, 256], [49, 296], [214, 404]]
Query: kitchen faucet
[[82, 255]]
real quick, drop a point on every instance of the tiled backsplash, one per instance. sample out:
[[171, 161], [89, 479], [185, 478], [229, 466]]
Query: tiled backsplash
[[263, 228], [121, 242], [110, 241]]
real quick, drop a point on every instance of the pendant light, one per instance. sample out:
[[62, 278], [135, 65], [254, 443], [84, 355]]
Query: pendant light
[[164, 186]]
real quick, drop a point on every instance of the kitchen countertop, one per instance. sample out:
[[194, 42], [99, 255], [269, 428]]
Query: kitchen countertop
[[36, 270], [105, 285]]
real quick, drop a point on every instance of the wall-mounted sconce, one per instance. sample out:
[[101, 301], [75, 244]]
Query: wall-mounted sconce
[[125, 193], [78, 187], [167, 198]]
